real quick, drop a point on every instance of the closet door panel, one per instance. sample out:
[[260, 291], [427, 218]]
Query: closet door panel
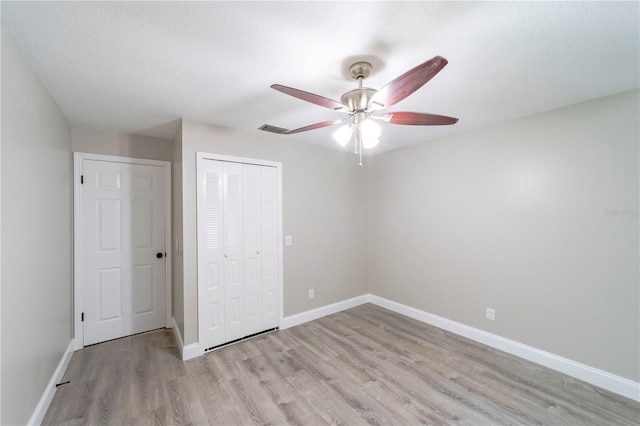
[[269, 207], [211, 300], [233, 251], [252, 248]]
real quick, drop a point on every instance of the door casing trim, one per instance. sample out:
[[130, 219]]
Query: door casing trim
[[78, 158]]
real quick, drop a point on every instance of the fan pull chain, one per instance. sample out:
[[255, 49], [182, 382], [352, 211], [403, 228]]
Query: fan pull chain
[[358, 143]]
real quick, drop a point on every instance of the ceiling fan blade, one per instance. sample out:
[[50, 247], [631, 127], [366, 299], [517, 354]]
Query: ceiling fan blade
[[309, 97], [407, 83], [313, 126], [418, 119]]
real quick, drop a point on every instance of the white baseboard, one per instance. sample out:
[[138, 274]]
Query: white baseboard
[[594, 376], [50, 390], [301, 318], [191, 351], [186, 352], [176, 334]]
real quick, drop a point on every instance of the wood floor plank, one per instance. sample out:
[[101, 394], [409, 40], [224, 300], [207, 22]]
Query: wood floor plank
[[147, 381], [84, 366], [71, 403], [297, 409], [365, 365], [151, 418], [182, 404], [221, 404], [447, 389]]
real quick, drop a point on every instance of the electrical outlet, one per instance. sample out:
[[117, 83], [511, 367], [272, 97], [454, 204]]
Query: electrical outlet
[[288, 240], [311, 294], [491, 314]]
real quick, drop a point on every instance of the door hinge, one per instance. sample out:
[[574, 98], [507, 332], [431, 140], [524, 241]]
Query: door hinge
[[81, 179], [82, 317]]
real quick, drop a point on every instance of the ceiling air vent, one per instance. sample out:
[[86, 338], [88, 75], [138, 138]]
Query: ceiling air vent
[[272, 129]]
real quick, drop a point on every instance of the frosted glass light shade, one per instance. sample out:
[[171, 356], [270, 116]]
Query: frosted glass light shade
[[342, 135], [370, 134], [369, 143]]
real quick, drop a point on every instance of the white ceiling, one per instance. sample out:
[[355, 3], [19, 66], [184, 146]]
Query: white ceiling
[[136, 67]]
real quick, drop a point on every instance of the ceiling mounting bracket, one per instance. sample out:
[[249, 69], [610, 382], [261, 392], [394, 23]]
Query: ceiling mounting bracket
[[360, 70]]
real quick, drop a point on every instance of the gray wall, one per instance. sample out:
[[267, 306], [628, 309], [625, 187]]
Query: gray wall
[[36, 237], [516, 217], [1, 37], [324, 197], [105, 142]]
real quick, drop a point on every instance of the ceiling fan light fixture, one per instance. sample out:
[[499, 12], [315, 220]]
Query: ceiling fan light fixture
[[361, 104], [342, 135]]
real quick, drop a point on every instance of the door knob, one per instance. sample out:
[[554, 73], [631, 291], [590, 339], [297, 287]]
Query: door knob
[[226, 255], [159, 255], [258, 252]]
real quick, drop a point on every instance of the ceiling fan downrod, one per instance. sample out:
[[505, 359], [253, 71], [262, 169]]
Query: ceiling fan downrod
[[356, 100]]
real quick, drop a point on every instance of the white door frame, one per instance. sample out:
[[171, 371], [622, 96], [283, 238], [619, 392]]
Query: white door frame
[[78, 158], [200, 157]]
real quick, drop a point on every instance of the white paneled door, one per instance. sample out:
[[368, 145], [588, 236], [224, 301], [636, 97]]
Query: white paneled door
[[238, 250], [123, 239]]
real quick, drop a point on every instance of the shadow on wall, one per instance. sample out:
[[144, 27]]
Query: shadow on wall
[[105, 142]]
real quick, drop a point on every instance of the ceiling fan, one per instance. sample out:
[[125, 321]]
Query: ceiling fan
[[362, 103]]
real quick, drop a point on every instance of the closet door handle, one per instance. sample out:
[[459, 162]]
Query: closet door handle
[[258, 252], [226, 255]]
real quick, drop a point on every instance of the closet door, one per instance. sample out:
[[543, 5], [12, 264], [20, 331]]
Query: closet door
[[252, 248], [233, 252], [238, 250], [269, 252], [211, 300]]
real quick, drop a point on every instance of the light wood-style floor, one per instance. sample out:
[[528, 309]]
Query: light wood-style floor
[[363, 365]]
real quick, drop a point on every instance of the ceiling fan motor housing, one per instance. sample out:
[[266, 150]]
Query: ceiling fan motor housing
[[357, 99]]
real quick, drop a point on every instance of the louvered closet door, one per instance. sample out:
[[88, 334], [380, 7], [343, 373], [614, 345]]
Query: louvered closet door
[[252, 248], [269, 257], [211, 315], [237, 250], [233, 258]]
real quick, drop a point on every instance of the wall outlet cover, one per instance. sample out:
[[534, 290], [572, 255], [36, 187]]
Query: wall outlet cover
[[491, 314]]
